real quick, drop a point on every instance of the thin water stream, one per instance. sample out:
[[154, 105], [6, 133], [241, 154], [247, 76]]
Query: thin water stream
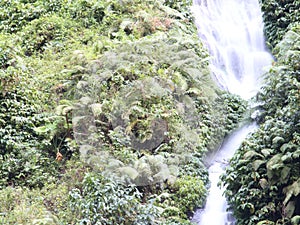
[[215, 212], [232, 30]]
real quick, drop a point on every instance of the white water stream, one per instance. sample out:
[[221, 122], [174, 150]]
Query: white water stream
[[215, 212], [232, 30]]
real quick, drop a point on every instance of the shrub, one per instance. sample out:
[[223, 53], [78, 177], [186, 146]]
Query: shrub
[[24, 206], [189, 193], [23, 161], [105, 202], [46, 32], [86, 12], [278, 15], [8, 53], [182, 6], [16, 14]]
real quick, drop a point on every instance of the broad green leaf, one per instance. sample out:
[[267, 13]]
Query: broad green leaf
[[273, 168], [251, 154], [290, 209], [293, 189], [295, 220], [285, 174], [296, 154], [266, 152], [277, 141], [257, 163], [266, 222], [96, 109]]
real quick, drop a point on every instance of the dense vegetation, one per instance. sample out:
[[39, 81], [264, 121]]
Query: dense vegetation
[[107, 108], [263, 180], [279, 16]]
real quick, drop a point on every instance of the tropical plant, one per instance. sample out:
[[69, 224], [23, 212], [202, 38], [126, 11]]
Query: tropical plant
[[263, 179], [23, 162], [45, 32], [278, 15], [105, 202], [16, 14]]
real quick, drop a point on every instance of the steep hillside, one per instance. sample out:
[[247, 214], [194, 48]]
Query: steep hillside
[[107, 108]]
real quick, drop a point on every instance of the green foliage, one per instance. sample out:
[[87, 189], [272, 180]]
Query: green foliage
[[105, 202], [263, 179], [161, 78], [190, 193], [48, 205], [23, 206], [46, 32], [8, 54], [166, 112], [16, 14], [181, 5], [178, 5], [148, 84], [234, 109], [194, 167], [28, 157], [22, 160], [177, 221], [229, 111], [181, 198], [87, 12], [278, 15]]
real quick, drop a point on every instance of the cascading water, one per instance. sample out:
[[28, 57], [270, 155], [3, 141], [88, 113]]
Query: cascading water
[[215, 212], [232, 30]]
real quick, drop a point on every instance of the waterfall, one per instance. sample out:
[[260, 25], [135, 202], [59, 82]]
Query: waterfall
[[215, 212], [232, 31]]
